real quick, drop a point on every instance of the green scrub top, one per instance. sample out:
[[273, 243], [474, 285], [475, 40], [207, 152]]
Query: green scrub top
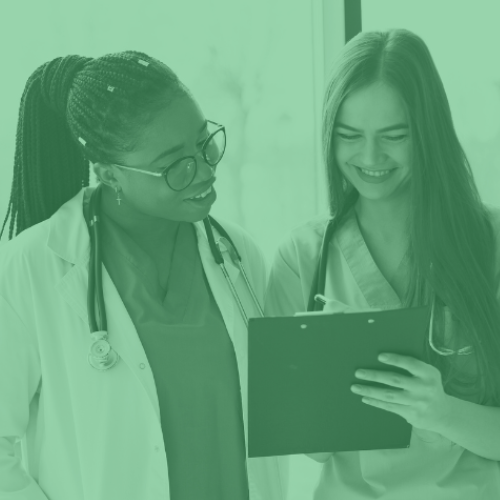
[[192, 360]]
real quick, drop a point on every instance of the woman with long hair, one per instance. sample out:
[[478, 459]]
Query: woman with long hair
[[408, 229], [152, 404]]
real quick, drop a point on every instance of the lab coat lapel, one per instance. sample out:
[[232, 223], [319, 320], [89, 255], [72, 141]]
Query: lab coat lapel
[[218, 284], [122, 334], [235, 325]]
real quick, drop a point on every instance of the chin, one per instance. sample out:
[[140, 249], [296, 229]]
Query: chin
[[374, 196], [196, 217]]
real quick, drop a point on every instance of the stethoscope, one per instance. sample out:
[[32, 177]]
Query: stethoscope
[[102, 356], [317, 299]]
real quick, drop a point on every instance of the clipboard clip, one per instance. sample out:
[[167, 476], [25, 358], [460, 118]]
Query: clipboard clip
[[337, 307]]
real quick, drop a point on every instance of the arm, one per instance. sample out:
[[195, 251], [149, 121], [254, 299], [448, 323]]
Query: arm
[[420, 399], [284, 289], [474, 427], [19, 378]]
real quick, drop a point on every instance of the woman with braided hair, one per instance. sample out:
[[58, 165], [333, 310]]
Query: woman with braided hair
[[167, 417]]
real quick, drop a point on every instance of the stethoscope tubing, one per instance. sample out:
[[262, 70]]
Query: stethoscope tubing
[[250, 288], [95, 268], [101, 355], [236, 258], [317, 300]]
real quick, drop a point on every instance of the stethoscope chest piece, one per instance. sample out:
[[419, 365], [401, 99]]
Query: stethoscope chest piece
[[101, 355]]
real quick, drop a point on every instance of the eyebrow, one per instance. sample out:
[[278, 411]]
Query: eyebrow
[[397, 126], [178, 147]]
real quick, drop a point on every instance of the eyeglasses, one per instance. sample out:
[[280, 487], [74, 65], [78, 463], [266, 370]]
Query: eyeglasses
[[182, 172]]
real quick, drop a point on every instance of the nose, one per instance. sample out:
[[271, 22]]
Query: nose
[[371, 154], [205, 171]]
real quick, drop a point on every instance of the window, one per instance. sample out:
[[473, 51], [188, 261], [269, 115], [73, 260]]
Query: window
[[463, 38], [250, 66]]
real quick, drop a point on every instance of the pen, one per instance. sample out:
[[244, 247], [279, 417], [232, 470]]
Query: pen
[[320, 298]]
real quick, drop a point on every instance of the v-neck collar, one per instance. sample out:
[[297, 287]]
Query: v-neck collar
[[128, 249], [376, 289], [183, 267]]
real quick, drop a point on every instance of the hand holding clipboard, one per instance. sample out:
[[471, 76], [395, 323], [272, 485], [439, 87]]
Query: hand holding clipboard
[[301, 370], [418, 397]]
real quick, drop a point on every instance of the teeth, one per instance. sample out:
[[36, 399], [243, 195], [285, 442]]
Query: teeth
[[375, 174], [202, 195]]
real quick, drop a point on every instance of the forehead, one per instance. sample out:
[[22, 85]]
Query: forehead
[[175, 124], [373, 107]]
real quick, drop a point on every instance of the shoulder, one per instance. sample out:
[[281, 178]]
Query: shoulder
[[24, 260], [494, 217], [304, 241], [242, 239], [494, 213], [239, 235], [246, 246], [26, 246]]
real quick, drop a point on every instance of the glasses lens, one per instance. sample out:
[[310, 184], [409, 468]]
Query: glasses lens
[[215, 147], [181, 174]]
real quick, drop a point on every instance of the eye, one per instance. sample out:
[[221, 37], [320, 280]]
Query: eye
[[202, 141], [348, 137], [395, 138], [167, 165]]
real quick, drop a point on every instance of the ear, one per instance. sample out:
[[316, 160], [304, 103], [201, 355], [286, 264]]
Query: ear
[[105, 174]]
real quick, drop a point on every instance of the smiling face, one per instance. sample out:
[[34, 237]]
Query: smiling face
[[176, 131], [372, 142]]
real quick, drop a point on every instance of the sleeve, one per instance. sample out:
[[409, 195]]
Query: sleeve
[[284, 295], [258, 266], [20, 375]]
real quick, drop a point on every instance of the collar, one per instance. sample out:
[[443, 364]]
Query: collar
[[68, 233], [69, 237]]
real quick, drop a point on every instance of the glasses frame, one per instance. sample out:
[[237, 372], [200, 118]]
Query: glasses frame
[[164, 172]]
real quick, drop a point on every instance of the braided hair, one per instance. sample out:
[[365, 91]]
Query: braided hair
[[75, 109]]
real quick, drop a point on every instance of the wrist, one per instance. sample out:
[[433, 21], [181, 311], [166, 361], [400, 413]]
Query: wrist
[[444, 421]]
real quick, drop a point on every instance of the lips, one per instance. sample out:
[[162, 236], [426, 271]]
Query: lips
[[375, 172], [374, 176], [206, 188]]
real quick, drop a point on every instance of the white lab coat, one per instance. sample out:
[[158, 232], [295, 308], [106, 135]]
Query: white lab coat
[[90, 435]]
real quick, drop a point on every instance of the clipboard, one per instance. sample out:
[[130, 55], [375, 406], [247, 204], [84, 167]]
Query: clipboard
[[301, 368]]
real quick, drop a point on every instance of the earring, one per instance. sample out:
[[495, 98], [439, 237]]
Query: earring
[[118, 199]]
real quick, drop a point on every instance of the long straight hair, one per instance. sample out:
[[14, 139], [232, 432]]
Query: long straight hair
[[452, 249]]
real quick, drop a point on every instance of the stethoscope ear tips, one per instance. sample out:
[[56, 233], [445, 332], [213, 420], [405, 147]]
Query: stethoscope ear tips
[[224, 245]]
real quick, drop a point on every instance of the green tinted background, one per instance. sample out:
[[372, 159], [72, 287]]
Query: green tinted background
[[258, 66]]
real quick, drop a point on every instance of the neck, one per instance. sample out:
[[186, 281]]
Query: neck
[[141, 227], [388, 219]]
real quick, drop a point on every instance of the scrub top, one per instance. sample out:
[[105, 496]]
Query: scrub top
[[192, 360], [433, 467]]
